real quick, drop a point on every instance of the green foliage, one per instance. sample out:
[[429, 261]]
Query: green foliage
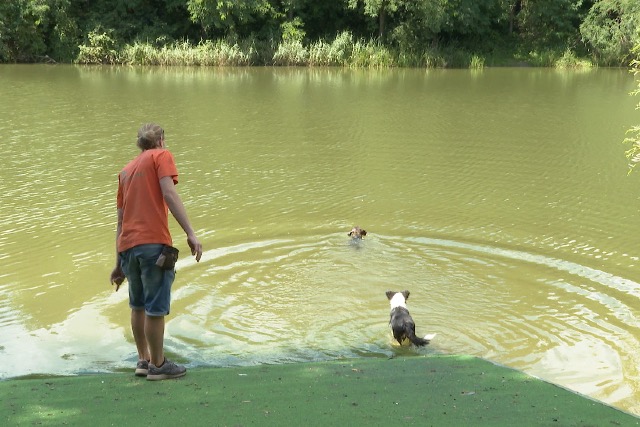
[[373, 8], [542, 57], [291, 53], [292, 31], [569, 60], [228, 15], [63, 36], [432, 59], [324, 19], [611, 29], [420, 27], [336, 53], [140, 54], [182, 53], [633, 134], [477, 62], [456, 58], [370, 54], [422, 33], [37, 30], [471, 17], [149, 21], [380, 10], [549, 22], [224, 53], [100, 49], [22, 30]]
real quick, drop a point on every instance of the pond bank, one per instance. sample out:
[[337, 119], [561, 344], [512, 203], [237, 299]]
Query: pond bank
[[430, 390]]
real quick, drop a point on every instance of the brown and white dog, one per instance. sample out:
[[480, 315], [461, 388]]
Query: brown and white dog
[[401, 322], [357, 233]]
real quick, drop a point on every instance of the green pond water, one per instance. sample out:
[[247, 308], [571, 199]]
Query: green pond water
[[500, 199]]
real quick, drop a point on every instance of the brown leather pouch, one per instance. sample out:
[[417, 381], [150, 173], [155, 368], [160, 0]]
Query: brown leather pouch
[[168, 257]]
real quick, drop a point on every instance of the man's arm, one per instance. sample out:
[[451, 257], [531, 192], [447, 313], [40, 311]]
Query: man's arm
[[117, 275], [173, 201]]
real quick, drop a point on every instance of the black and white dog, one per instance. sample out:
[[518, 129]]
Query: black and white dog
[[401, 322]]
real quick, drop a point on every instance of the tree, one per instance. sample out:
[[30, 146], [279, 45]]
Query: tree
[[633, 138], [379, 9], [548, 22], [22, 24], [62, 35], [474, 23], [611, 29], [324, 19], [152, 21], [227, 16], [419, 25]]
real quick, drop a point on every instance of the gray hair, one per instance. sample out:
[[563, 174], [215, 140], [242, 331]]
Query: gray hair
[[149, 135]]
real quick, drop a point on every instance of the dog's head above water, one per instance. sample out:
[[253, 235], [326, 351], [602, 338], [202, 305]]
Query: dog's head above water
[[357, 233], [398, 299]]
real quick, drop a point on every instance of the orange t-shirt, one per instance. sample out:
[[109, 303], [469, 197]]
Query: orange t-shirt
[[145, 214]]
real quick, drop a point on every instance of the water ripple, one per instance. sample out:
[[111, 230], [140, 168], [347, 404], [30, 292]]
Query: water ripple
[[265, 301]]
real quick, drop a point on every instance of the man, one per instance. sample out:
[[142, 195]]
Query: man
[[146, 192]]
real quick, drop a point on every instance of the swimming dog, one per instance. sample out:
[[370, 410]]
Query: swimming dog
[[401, 322], [357, 233]]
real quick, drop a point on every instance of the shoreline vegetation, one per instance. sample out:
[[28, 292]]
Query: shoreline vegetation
[[575, 34], [344, 50]]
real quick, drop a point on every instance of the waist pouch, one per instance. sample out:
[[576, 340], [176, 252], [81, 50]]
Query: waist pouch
[[168, 257]]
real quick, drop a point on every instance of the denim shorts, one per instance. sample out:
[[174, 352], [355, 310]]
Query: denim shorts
[[149, 285]]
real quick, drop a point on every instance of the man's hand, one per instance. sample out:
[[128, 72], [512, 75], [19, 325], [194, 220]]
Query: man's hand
[[117, 277], [196, 247]]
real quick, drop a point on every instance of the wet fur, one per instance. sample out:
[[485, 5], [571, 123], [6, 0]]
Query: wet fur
[[401, 323], [357, 233]]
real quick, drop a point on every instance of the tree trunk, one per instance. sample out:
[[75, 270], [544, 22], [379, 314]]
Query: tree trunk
[[516, 7]]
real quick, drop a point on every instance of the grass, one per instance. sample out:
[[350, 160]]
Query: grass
[[343, 51], [436, 390]]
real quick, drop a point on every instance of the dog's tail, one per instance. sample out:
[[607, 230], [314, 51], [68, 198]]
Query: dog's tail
[[411, 335], [417, 340]]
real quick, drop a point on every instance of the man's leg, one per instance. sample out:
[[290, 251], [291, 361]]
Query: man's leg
[[139, 335], [154, 332], [156, 294]]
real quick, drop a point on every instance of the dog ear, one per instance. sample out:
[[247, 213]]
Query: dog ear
[[390, 294], [350, 233], [363, 233], [406, 294]]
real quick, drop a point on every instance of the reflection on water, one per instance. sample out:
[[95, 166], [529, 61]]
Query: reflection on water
[[499, 199]]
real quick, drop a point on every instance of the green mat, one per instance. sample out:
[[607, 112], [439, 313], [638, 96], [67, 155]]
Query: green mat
[[425, 391]]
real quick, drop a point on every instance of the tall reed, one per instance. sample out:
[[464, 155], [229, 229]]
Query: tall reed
[[342, 51], [570, 60]]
